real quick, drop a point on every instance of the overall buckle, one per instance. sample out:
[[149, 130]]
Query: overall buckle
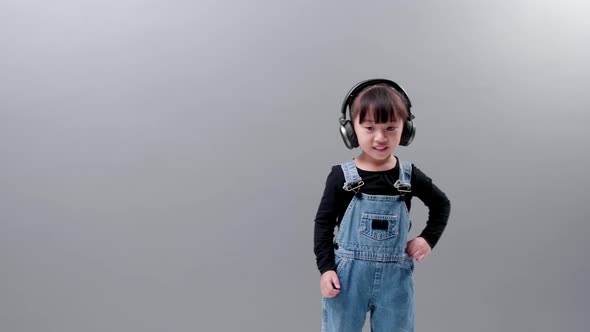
[[402, 187], [354, 186]]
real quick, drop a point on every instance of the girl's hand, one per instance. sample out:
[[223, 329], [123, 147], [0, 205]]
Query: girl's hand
[[328, 279], [418, 249]]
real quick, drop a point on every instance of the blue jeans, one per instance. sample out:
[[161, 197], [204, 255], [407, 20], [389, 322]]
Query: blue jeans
[[385, 289]]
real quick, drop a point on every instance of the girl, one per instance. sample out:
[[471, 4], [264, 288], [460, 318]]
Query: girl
[[369, 266]]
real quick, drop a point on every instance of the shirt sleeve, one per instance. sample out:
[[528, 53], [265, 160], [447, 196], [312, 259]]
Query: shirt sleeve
[[439, 206], [325, 221]]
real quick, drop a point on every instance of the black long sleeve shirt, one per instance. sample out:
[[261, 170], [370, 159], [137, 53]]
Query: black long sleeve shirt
[[335, 200]]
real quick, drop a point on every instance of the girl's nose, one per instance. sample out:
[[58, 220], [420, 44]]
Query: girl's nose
[[380, 135]]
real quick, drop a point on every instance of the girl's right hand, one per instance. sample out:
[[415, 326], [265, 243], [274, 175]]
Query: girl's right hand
[[328, 281]]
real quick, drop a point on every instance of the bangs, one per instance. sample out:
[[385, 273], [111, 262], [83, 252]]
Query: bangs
[[381, 104]]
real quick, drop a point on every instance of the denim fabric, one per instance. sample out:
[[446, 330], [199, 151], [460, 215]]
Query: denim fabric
[[374, 270]]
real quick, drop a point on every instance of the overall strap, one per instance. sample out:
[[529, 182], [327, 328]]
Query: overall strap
[[403, 184], [351, 176]]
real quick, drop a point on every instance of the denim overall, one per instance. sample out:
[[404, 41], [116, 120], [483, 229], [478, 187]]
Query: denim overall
[[374, 270]]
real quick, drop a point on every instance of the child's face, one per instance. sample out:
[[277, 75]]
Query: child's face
[[378, 140]]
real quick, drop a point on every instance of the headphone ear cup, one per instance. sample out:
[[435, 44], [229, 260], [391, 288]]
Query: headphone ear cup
[[352, 135], [348, 135], [408, 133]]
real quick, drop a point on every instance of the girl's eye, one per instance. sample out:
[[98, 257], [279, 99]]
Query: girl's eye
[[391, 128], [370, 128]]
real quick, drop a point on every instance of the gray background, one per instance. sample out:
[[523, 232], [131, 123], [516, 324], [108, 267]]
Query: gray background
[[161, 162]]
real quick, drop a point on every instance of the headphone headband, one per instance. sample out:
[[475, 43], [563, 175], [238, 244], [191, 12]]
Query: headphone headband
[[362, 85]]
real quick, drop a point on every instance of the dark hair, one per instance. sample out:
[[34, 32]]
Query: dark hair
[[380, 102]]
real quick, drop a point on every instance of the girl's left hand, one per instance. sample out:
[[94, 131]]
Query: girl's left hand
[[418, 249]]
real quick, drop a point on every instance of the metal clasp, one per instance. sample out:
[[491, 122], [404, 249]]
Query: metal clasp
[[402, 188], [356, 188]]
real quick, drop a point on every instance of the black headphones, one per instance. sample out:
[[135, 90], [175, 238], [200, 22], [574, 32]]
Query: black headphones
[[346, 127]]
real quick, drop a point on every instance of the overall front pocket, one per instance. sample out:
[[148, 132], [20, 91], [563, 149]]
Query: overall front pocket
[[379, 226]]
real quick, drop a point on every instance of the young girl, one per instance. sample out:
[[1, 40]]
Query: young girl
[[369, 266]]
